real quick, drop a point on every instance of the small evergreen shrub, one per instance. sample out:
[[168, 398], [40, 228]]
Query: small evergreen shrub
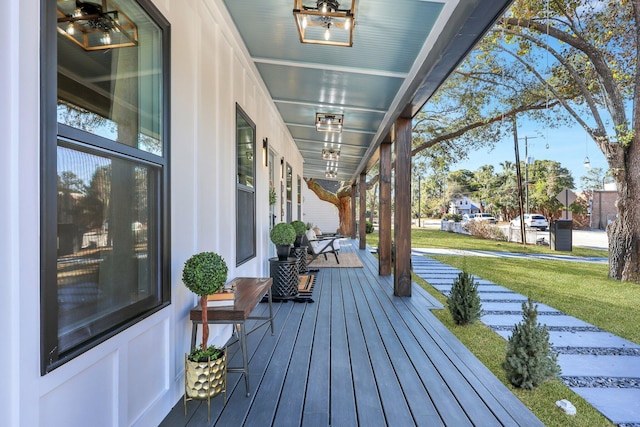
[[464, 301], [368, 227], [530, 361]]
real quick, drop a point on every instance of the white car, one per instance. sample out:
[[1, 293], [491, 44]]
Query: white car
[[532, 220], [483, 216]]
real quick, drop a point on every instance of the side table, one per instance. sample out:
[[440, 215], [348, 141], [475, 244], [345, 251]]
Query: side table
[[285, 278], [300, 253]]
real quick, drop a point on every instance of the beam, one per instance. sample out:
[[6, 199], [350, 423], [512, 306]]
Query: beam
[[402, 219], [384, 206], [363, 210]]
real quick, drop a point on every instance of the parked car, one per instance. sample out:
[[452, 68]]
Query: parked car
[[467, 217], [484, 216], [532, 220]]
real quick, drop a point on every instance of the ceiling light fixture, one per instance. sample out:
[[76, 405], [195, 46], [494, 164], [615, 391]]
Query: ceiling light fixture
[[96, 26], [315, 23], [329, 122], [332, 170], [330, 154]]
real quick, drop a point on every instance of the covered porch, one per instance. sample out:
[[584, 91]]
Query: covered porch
[[358, 355]]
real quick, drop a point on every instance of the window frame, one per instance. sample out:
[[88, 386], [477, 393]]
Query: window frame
[[245, 189], [50, 134]]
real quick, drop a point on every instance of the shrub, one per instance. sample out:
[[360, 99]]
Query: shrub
[[300, 227], [484, 230], [529, 361], [463, 301], [368, 227], [453, 217], [282, 234]]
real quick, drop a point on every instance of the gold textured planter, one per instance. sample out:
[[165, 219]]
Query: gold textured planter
[[205, 380]]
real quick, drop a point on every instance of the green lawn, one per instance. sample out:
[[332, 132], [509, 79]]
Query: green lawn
[[581, 290], [424, 238]]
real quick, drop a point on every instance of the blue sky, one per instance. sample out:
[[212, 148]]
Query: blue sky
[[566, 145]]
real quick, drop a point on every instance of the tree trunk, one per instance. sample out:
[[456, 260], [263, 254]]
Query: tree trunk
[[205, 322]]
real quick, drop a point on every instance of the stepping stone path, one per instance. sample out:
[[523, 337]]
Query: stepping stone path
[[601, 367]]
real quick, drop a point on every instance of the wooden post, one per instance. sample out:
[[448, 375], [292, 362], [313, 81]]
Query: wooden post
[[363, 210], [353, 210], [402, 220], [384, 206]]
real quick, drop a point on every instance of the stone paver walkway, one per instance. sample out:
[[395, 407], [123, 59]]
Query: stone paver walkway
[[601, 367]]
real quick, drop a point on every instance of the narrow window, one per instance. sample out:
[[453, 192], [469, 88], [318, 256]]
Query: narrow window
[[245, 187]]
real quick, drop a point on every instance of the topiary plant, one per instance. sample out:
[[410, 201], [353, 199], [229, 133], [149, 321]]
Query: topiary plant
[[300, 227], [463, 301], [204, 274], [529, 361], [282, 234]]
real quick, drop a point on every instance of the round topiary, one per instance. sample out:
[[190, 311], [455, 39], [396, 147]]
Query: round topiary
[[300, 227], [205, 273], [282, 234]]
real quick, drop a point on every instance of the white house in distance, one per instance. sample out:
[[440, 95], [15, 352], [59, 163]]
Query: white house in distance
[[136, 133], [463, 205]]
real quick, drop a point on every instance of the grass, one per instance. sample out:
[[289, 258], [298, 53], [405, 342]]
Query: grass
[[490, 349], [581, 290], [425, 238]]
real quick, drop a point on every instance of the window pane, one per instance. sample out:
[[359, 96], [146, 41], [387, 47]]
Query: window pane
[[113, 89], [245, 140], [107, 243]]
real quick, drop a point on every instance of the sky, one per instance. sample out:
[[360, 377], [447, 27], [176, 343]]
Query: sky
[[567, 145]]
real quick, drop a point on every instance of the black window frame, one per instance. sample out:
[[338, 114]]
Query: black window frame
[[51, 133], [245, 193]]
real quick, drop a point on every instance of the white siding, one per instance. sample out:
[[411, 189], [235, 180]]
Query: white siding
[[319, 213], [135, 377]]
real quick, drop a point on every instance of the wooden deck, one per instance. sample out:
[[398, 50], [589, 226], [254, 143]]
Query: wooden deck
[[358, 356]]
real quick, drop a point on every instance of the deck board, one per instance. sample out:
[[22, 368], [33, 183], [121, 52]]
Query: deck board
[[358, 356]]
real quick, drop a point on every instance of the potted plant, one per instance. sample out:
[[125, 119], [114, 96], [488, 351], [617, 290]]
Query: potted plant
[[300, 228], [204, 274], [283, 235]]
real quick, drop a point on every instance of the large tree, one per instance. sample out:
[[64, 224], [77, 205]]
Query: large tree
[[584, 55]]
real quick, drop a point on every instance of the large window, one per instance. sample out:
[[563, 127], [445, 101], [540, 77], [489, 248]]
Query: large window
[[245, 187], [105, 172]]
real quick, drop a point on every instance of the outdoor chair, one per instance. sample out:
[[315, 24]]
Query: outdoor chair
[[322, 246]]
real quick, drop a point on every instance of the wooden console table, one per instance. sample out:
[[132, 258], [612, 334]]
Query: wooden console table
[[248, 293]]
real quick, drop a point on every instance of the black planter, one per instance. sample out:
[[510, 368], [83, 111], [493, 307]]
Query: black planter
[[298, 242], [283, 252]]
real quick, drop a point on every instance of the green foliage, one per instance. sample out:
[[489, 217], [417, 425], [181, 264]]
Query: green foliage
[[272, 195], [203, 355], [282, 234], [205, 273], [453, 217], [464, 301], [530, 361], [368, 227], [300, 227]]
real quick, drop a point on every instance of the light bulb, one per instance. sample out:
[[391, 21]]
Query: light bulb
[[304, 22], [347, 24], [327, 35], [71, 29], [324, 8], [77, 13], [106, 38]]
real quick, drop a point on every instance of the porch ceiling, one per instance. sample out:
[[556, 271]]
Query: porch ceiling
[[402, 52]]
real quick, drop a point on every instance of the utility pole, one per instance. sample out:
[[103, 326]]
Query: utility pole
[[419, 199], [526, 170]]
